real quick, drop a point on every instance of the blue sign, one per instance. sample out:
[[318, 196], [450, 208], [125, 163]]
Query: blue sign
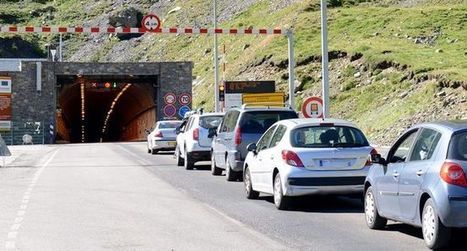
[[184, 109]]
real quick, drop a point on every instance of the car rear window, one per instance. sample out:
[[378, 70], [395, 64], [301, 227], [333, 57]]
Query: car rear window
[[458, 147], [209, 122], [169, 124], [258, 122], [327, 137]]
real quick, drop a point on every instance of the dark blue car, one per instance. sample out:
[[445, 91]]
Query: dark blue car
[[422, 182]]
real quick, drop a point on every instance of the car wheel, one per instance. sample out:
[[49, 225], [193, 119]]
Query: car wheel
[[250, 193], [214, 169], [230, 174], [435, 234], [373, 219], [280, 200], [188, 163], [178, 156], [154, 151], [149, 150]]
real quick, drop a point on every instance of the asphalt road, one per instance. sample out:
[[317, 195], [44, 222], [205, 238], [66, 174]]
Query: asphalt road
[[118, 197]]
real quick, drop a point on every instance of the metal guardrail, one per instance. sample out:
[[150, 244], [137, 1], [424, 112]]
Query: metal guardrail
[[28, 132]]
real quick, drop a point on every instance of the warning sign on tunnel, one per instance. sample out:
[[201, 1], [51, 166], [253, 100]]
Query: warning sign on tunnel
[[185, 99], [169, 111]]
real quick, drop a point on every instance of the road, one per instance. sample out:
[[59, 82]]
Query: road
[[118, 197]]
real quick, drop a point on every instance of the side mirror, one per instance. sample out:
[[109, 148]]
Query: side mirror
[[177, 130], [376, 158], [251, 148], [147, 131], [212, 132]]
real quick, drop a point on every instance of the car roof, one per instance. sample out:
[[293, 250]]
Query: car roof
[[168, 121], [449, 125], [211, 114], [313, 122]]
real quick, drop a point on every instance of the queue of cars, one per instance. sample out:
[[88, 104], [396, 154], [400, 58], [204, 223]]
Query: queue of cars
[[421, 182]]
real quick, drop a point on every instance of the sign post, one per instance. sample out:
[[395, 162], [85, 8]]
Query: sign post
[[313, 107]]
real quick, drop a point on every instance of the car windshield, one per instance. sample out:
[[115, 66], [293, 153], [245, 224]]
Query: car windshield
[[258, 122], [327, 137], [458, 147], [169, 124], [209, 122]]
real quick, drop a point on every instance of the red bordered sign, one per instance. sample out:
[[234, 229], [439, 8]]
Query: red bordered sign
[[151, 22], [170, 98], [312, 107], [185, 99]]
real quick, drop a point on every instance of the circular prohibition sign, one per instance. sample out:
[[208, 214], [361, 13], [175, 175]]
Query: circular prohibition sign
[[151, 22], [312, 107]]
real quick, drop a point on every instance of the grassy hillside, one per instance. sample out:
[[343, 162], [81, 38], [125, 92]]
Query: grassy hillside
[[393, 62]]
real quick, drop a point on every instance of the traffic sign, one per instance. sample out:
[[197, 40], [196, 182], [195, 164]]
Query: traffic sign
[[184, 109], [170, 98], [312, 107], [170, 110], [185, 99], [151, 22]]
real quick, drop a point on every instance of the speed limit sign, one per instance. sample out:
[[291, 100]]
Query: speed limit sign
[[185, 99], [151, 22]]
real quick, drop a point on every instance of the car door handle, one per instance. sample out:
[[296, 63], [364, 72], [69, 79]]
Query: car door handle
[[420, 173], [395, 174], [218, 139], [272, 157]]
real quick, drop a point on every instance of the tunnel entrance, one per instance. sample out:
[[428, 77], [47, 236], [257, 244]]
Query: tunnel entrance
[[93, 108]]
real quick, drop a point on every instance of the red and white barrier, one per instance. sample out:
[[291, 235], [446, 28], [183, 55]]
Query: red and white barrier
[[50, 29]]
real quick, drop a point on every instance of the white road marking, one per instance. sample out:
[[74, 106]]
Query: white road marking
[[11, 243]]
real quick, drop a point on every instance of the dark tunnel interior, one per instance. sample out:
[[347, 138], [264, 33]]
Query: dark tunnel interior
[[105, 108]]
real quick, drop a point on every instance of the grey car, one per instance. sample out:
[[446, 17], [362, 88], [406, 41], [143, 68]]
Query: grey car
[[239, 128], [422, 182]]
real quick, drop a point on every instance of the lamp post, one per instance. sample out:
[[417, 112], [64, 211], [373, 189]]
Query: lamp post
[[324, 63]]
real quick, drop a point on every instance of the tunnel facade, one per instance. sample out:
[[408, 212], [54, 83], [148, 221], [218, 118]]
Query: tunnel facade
[[96, 102]]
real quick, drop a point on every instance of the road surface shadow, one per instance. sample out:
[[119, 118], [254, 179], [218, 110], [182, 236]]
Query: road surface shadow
[[164, 153], [457, 238], [322, 204]]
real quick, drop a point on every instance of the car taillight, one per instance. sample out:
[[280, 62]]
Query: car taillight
[[158, 134], [453, 173], [372, 153], [292, 158], [238, 136], [196, 134]]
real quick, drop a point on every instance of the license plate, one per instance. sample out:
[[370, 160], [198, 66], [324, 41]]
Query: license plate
[[172, 143]]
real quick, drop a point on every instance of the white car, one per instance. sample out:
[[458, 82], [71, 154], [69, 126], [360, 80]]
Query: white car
[[193, 143], [297, 157], [162, 136]]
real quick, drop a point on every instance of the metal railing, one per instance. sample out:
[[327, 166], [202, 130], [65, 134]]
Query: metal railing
[[27, 132]]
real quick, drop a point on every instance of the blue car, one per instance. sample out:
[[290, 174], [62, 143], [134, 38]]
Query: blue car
[[422, 182]]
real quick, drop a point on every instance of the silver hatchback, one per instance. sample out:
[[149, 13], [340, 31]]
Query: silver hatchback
[[422, 181]]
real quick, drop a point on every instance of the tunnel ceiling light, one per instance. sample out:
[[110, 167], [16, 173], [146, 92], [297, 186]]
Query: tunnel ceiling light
[[114, 102]]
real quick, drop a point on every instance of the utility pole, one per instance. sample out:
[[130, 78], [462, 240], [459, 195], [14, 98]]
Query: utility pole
[[291, 69], [216, 62], [324, 63]]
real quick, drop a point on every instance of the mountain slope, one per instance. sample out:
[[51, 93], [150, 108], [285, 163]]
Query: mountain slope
[[393, 63]]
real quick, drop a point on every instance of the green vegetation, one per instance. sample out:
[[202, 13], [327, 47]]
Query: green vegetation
[[420, 37]]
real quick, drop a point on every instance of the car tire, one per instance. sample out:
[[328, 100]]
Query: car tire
[[435, 234], [372, 217], [250, 193], [149, 150], [178, 156], [280, 200], [230, 174], [216, 171], [154, 151], [188, 163]]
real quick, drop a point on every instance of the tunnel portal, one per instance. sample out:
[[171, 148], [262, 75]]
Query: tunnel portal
[[94, 108]]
